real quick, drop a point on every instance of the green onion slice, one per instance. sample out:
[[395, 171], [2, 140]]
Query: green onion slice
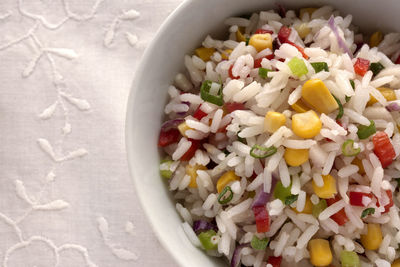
[[349, 259], [348, 148], [212, 98], [352, 84], [341, 112], [259, 244], [281, 192], [366, 131], [241, 139], [247, 40], [376, 67], [347, 98], [206, 240], [318, 208], [298, 67], [367, 212], [263, 72], [291, 199], [261, 152], [165, 166], [225, 196], [320, 66]]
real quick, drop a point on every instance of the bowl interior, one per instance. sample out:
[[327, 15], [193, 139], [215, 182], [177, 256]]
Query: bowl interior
[[182, 32]]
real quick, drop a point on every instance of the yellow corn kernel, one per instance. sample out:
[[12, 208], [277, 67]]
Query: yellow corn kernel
[[261, 41], [300, 106], [273, 121], [226, 53], [387, 93], [373, 239], [240, 37], [295, 157], [225, 179], [320, 252], [307, 124], [309, 10], [307, 207], [358, 162], [204, 53], [183, 127], [328, 190], [191, 171], [303, 30], [396, 263], [317, 95], [376, 39]]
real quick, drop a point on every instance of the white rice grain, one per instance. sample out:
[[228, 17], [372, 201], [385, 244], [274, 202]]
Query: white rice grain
[[306, 236], [191, 235], [329, 211]]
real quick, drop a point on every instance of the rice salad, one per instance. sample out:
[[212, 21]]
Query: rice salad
[[280, 143]]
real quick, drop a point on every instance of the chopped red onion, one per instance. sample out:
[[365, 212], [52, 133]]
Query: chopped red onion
[[183, 113], [342, 44], [262, 198], [393, 106], [236, 254], [171, 124], [202, 226]]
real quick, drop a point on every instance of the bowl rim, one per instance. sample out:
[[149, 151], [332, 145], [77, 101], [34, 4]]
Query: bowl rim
[[128, 121]]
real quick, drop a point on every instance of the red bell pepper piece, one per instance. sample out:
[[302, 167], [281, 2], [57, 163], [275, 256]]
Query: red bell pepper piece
[[262, 219], [357, 197], [190, 153], [257, 62], [275, 261], [199, 114], [383, 148], [390, 204], [361, 66], [283, 34], [168, 137], [262, 31], [340, 217], [231, 107], [231, 74]]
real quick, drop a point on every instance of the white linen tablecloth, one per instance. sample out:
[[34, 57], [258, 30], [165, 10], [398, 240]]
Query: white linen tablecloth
[[66, 198]]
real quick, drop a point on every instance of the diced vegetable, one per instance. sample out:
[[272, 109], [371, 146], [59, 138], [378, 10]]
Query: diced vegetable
[[225, 54], [352, 84], [320, 66], [317, 95], [183, 127], [190, 153], [262, 219], [262, 31], [231, 74], [361, 66], [263, 73], [320, 252], [165, 168], [367, 212], [192, 172], [291, 199], [383, 148], [358, 162], [318, 208], [261, 152], [307, 124], [283, 34], [300, 106], [257, 62], [349, 259], [308, 207], [232, 106], [376, 39], [247, 41], [296, 157], [390, 204], [348, 148], [298, 67], [376, 67], [261, 41], [225, 179], [328, 190], [387, 93], [225, 196], [341, 110], [340, 217], [206, 95], [204, 53], [308, 10], [239, 36], [199, 114], [259, 244], [366, 131], [373, 238], [303, 30], [273, 121], [275, 261], [356, 198], [168, 137], [206, 240], [281, 192]]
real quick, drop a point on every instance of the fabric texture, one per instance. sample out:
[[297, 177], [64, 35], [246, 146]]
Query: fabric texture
[[66, 198]]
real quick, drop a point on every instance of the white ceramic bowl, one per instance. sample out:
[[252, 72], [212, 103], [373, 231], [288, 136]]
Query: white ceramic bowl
[[182, 32]]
